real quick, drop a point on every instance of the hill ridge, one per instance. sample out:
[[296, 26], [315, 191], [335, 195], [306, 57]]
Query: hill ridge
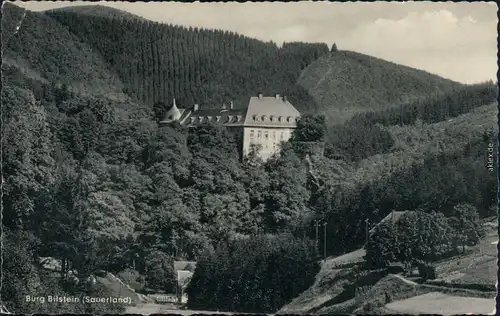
[[354, 82], [98, 10]]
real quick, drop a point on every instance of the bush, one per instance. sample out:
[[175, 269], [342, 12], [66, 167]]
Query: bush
[[310, 129], [258, 274], [160, 273], [427, 271]]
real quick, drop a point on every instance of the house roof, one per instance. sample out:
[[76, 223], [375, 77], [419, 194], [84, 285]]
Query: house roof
[[272, 112], [395, 216], [260, 112], [173, 113], [183, 265]]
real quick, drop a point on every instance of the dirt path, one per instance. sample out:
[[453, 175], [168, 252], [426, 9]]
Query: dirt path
[[405, 280], [152, 308]]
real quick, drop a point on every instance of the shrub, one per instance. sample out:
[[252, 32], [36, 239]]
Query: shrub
[[427, 271]]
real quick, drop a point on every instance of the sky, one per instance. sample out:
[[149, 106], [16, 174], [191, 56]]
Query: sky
[[454, 40]]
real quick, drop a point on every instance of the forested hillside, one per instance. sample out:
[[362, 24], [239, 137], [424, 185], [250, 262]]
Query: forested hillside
[[364, 135], [344, 83], [158, 62], [90, 179], [46, 52], [153, 62]]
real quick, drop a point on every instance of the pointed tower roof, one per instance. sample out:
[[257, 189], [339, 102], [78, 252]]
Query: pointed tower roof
[[173, 113]]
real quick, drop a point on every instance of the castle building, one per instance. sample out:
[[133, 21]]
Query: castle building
[[265, 122]]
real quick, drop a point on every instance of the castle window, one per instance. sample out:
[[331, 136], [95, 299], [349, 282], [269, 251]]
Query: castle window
[[280, 118], [289, 119], [217, 118], [192, 119], [266, 135], [252, 134], [209, 118], [239, 118], [229, 118], [256, 118], [274, 135], [200, 119], [282, 136], [259, 134], [264, 118]]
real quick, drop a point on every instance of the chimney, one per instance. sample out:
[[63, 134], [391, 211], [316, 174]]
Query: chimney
[[260, 95], [231, 105], [277, 97], [196, 107]]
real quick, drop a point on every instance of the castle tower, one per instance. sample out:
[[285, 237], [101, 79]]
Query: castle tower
[[173, 114]]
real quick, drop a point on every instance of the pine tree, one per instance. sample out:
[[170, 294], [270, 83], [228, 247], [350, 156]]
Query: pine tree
[[334, 48]]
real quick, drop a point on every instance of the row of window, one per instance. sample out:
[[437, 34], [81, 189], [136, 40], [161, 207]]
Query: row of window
[[230, 119], [272, 118], [275, 146], [266, 135]]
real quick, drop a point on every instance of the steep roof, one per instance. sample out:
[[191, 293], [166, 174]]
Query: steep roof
[[173, 113], [272, 112], [260, 112], [183, 265], [394, 216]]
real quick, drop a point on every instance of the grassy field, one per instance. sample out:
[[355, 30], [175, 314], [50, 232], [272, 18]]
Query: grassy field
[[439, 303], [477, 265], [483, 273]]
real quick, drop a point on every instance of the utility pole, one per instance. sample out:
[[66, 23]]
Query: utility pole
[[316, 223], [324, 243], [367, 231]]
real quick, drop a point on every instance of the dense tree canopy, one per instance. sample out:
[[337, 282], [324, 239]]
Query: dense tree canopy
[[158, 62], [256, 275], [91, 180], [418, 236]]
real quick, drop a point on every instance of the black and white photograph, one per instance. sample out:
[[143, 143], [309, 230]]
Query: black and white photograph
[[271, 158]]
